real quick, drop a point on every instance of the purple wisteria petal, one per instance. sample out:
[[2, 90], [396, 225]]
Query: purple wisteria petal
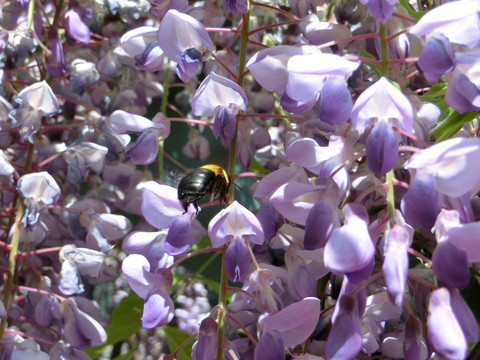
[[295, 322], [295, 200], [381, 10], [134, 267], [206, 345], [80, 329], [251, 137], [423, 191], [322, 220], [235, 221], [218, 91], [178, 33], [382, 101], [36, 101], [179, 239], [465, 238], [382, 148], [28, 350], [270, 183], [149, 244], [270, 347], [413, 347], [444, 331], [159, 7], [76, 27], [335, 101], [124, 122], [450, 265], [145, 149], [307, 73], [157, 310], [69, 282], [345, 339], [458, 23], [55, 60], [462, 94], [235, 7], [320, 32], [160, 204], [39, 188], [237, 260], [350, 247], [320, 160], [453, 164], [88, 262], [464, 315], [395, 263], [437, 57], [141, 44], [224, 125], [269, 66]]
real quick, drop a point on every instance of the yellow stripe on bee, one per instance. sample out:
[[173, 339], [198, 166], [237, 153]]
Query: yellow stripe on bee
[[218, 170]]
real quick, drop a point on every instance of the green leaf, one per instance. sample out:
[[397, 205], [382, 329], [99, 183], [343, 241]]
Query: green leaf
[[452, 124], [176, 338], [417, 15]]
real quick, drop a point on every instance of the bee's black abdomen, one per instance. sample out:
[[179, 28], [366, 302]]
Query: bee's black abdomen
[[202, 182]]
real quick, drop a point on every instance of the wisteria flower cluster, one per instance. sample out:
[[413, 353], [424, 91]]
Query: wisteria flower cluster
[[334, 212]]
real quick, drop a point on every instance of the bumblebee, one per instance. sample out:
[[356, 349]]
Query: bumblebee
[[208, 180]]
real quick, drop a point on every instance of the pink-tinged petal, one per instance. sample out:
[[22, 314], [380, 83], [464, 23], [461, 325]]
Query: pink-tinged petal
[[270, 183], [179, 32], [307, 73], [157, 310], [444, 331], [237, 260], [160, 204], [124, 122], [350, 247], [217, 91], [453, 163], [295, 200], [179, 239], [296, 322], [385, 102], [269, 66], [235, 221], [395, 264], [458, 23], [345, 339]]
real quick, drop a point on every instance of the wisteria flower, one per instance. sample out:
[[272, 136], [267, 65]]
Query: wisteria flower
[[222, 98], [185, 41], [237, 227], [145, 149], [381, 10], [38, 189], [142, 45], [36, 101], [154, 287]]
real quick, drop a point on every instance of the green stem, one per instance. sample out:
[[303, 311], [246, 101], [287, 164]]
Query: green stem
[[31, 12], [222, 297], [384, 67], [8, 290]]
